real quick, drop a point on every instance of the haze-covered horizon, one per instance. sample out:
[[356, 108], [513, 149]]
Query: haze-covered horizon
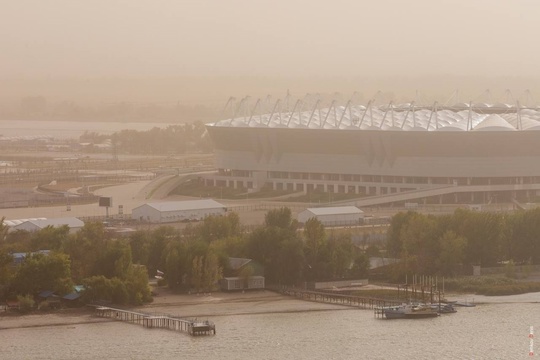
[[205, 51]]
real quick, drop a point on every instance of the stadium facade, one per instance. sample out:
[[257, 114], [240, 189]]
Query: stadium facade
[[465, 153]]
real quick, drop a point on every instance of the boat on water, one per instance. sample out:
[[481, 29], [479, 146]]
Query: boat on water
[[444, 308], [410, 311]]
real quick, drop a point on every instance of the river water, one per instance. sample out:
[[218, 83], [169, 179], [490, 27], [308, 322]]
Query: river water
[[488, 331], [69, 129]]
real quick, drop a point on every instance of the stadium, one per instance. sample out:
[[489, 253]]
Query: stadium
[[472, 153]]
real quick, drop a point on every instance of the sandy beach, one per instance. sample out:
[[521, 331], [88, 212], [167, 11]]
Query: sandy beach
[[181, 305], [213, 305]]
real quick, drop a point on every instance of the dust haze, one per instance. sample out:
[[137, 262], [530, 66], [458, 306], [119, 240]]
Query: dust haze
[[202, 52]]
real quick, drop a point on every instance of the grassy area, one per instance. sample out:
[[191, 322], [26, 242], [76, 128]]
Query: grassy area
[[322, 197], [491, 285], [195, 189]]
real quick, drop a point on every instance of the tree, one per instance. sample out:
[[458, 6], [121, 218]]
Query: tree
[[281, 218], [197, 273], [3, 230], [6, 272], [394, 242], [315, 238], [452, 253], [360, 268], [50, 238], [43, 272], [212, 272], [419, 243], [219, 227]]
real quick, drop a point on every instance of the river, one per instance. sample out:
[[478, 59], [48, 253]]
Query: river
[[488, 331], [69, 129]]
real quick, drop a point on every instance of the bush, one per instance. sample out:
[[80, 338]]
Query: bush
[[26, 303]]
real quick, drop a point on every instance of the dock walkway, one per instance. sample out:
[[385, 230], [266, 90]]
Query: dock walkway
[[193, 327], [330, 297]]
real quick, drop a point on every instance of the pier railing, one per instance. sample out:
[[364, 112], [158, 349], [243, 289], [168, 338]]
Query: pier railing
[[191, 326], [330, 297]]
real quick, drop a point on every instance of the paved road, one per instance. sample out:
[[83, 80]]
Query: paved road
[[129, 195]]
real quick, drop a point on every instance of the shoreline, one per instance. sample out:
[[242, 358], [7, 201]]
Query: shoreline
[[220, 304]]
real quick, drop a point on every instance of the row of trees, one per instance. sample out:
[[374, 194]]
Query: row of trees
[[89, 257], [442, 244], [193, 258], [174, 139]]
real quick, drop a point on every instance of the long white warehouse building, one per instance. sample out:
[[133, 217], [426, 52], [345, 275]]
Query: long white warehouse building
[[175, 211]]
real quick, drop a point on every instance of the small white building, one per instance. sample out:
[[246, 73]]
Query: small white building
[[174, 211], [32, 225], [238, 283], [333, 216]]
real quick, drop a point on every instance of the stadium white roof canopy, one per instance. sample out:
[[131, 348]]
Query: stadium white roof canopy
[[404, 117]]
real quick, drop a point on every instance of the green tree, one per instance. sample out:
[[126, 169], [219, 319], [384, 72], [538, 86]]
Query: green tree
[[197, 273], [49, 238], [360, 268], [6, 273], [3, 230], [212, 272], [315, 239], [281, 218], [43, 272], [219, 227], [452, 253]]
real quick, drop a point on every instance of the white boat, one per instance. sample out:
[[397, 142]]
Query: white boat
[[410, 311]]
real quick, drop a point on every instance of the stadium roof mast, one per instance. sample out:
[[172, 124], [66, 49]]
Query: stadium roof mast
[[509, 98], [292, 112], [519, 124], [257, 104], [230, 101], [407, 114], [469, 117], [390, 106], [368, 106], [348, 105], [315, 107], [433, 110], [274, 110], [332, 105]]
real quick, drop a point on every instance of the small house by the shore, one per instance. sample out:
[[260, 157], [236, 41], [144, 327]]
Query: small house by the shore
[[242, 274], [238, 283]]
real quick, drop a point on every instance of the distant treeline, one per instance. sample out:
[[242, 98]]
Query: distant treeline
[[174, 139]]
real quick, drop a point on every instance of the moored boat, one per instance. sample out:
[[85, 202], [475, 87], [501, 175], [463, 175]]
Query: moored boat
[[410, 311]]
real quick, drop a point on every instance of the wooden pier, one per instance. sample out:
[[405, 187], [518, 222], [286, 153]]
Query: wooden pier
[[193, 327], [337, 299]]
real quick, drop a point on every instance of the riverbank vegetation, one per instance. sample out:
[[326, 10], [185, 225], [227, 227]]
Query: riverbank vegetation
[[451, 245], [117, 269]]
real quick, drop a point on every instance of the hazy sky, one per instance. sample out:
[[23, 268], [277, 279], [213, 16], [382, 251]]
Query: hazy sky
[[96, 38]]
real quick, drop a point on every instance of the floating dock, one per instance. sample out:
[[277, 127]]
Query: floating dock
[[193, 327]]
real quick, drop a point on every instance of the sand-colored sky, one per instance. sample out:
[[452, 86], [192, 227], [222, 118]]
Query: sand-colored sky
[[253, 46]]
